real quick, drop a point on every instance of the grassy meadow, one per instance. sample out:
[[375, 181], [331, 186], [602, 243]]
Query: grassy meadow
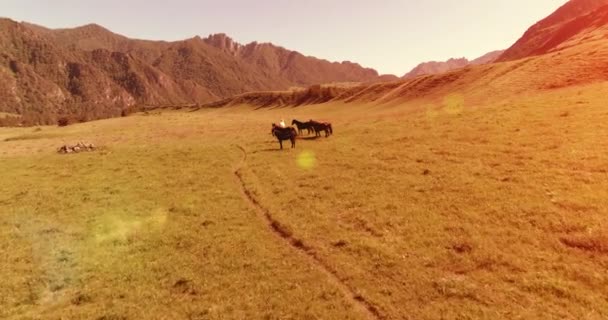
[[423, 210]]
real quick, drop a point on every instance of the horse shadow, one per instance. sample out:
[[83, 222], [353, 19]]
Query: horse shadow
[[309, 138], [268, 150]]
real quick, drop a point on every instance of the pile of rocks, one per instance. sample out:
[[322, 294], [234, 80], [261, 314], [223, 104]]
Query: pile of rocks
[[79, 147]]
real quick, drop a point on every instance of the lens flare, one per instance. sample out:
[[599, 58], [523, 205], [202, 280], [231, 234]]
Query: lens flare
[[453, 104], [158, 218], [306, 160], [113, 228]]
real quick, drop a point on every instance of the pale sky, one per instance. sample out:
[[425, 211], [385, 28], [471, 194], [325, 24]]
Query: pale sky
[[391, 36]]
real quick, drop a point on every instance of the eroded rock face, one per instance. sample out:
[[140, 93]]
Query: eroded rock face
[[76, 148]]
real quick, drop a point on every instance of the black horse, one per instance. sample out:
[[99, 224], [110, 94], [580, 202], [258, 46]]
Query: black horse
[[322, 126], [303, 126], [284, 134]]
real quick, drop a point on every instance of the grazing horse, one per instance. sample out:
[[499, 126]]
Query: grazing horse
[[322, 126], [284, 134], [303, 126]]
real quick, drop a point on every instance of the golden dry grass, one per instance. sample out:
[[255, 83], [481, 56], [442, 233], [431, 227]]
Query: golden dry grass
[[7, 114], [426, 210]]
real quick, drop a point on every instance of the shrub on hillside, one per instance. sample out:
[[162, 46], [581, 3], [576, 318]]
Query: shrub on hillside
[[63, 121], [130, 110]]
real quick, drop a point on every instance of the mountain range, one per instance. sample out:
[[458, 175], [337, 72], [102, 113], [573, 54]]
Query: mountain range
[[90, 72], [435, 67]]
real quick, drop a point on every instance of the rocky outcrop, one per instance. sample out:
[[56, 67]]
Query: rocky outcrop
[[76, 148]]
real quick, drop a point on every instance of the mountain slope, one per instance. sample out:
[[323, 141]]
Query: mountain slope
[[554, 29], [42, 79]]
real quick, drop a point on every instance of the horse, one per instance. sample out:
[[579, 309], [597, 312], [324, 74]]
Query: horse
[[284, 134], [303, 126], [322, 126]]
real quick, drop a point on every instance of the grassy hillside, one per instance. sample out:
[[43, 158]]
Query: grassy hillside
[[444, 208]]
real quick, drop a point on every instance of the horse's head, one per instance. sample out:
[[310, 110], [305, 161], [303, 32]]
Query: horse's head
[[293, 122]]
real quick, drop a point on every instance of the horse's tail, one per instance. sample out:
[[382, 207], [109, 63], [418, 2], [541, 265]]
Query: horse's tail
[[330, 129]]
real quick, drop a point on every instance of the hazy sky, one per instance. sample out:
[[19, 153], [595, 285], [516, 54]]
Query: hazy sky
[[391, 36]]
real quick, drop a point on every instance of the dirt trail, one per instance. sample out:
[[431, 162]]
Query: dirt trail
[[359, 303]]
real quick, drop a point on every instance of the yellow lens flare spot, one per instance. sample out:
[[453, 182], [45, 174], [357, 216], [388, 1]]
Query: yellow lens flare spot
[[120, 229], [158, 218], [453, 104], [114, 229], [306, 160]]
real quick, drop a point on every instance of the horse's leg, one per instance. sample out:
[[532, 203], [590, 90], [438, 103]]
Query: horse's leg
[[281, 143], [293, 142]]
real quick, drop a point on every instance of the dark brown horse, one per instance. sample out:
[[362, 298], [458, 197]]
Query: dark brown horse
[[303, 126], [289, 133], [322, 126]]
